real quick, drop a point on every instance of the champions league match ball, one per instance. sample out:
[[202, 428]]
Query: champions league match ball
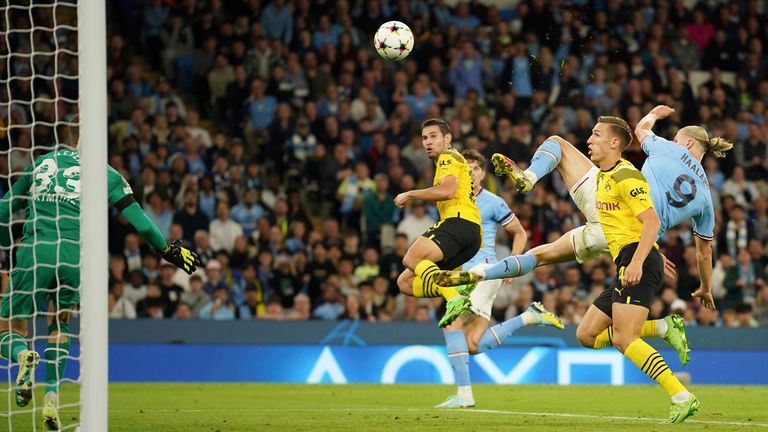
[[393, 40]]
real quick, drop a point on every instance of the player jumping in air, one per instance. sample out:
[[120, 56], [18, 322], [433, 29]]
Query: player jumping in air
[[456, 237], [675, 174], [473, 336], [630, 224], [47, 264]]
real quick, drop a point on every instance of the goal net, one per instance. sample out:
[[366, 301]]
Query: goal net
[[41, 59]]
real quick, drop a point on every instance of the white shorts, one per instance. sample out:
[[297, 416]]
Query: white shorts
[[484, 294], [588, 240]]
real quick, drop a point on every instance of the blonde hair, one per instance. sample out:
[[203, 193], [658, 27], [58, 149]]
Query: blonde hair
[[716, 146]]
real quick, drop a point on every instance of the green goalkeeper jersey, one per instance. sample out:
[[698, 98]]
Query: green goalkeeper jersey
[[49, 191]]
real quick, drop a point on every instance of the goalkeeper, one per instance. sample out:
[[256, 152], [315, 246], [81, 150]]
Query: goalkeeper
[[47, 264]]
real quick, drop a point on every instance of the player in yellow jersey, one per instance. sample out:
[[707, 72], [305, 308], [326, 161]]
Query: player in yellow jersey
[[456, 237], [630, 224]]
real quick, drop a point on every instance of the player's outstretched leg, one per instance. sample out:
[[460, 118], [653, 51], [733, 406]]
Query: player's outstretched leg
[[458, 355], [536, 314], [546, 159], [669, 328], [511, 266]]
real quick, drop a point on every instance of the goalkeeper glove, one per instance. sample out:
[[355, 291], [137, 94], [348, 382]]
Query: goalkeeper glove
[[181, 257]]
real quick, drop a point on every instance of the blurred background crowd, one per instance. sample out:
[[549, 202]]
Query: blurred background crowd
[[272, 139]]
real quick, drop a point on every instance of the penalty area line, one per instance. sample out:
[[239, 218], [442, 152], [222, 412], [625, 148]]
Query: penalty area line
[[597, 417]]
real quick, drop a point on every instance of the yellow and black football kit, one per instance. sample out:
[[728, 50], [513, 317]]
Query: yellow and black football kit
[[622, 194], [457, 233]]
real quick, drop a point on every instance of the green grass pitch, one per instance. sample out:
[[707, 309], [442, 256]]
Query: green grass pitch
[[320, 408]]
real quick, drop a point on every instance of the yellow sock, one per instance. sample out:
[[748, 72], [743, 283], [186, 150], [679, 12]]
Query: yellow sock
[[653, 365], [426, 270], [649, 329], [604, 339], [418, 287]]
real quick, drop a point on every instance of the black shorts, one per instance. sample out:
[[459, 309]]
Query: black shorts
[[640, 294], [458, 238]]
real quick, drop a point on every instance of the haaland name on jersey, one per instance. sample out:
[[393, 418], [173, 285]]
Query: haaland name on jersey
[[695, 167]]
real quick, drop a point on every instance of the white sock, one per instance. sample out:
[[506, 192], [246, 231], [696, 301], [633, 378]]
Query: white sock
[[661, 327], [454, 297], [528, 318], [21, 354], [681, 396], [531, 176], [465, 392]]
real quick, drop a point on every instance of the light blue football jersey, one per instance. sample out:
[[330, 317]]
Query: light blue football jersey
[[493, 211], [679, 186]]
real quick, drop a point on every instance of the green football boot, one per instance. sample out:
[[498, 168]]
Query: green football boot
[[675, 337], [682, 410]]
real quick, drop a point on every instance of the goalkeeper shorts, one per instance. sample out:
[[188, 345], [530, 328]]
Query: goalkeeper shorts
[[40, 272]]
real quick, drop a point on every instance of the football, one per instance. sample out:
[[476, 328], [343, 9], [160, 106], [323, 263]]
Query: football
[[393, 40]]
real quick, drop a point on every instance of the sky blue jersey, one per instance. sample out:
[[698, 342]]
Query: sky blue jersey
[[493, 211], [679, 186]]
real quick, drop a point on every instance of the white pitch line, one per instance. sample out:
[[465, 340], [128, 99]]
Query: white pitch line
[[591, 416], [468, 410]]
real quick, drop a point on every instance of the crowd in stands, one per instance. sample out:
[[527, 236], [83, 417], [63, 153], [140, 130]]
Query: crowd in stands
[[272, 139]]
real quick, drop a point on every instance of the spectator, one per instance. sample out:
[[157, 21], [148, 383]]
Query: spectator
[[333, 305], [119, 306], [277, 21], [214, 273], [248, 212], [190, 217], [416, 222], [378, 209], [743, 190], [195, 298], [350, 194], [467, 72], [158, 209], [260, 110], [219, 308], [370, 266], [153, 305], [301, 308], [183, 312], [223, 230], [171, 291], [253, 306], [135, 290]]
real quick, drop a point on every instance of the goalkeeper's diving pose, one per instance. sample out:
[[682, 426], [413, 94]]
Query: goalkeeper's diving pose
[[47, 263]]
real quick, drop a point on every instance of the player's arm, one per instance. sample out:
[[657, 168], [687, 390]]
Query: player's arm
[[651, 224], [644, 128], [121, 197], [704, 265], [703, 233], [14, 199], [519, 235], [442, 191], [634, 192]]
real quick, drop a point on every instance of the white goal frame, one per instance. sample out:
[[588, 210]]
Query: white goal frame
[[92, 41]]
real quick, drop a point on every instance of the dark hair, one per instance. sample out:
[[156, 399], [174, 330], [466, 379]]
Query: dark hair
[[440, 123], [620, 128], [472, 155]]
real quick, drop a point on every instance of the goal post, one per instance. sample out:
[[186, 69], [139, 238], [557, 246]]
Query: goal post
[[94, 233]]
